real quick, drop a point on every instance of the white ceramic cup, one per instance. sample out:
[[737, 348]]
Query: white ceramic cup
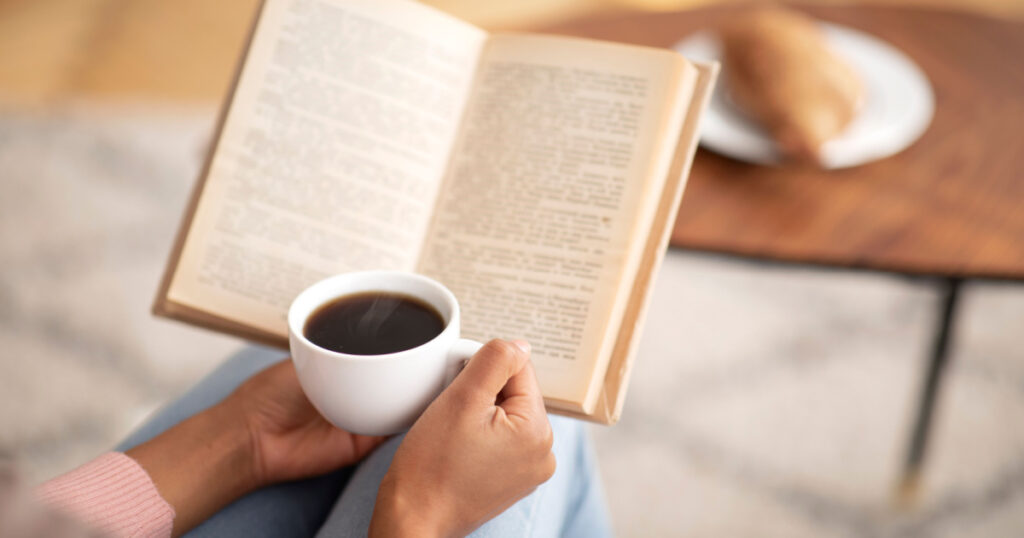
[[377, 394]]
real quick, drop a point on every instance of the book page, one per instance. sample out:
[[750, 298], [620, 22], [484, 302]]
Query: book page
[[563, 145], [331, 155]]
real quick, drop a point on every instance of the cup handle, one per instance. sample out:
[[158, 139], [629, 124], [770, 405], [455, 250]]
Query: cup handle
[[458, 355]]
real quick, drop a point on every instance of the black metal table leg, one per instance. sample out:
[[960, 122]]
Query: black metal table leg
[[917, 449]]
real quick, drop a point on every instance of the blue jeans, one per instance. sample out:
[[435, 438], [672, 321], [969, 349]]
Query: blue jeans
[[341, 503]]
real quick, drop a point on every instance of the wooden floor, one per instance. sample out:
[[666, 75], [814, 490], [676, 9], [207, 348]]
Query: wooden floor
[[53, 51]]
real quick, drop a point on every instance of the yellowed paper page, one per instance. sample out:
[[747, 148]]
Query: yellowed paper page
[[331, 154], [536, 224]]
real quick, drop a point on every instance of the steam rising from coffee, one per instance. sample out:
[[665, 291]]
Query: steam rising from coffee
[[376, 316]]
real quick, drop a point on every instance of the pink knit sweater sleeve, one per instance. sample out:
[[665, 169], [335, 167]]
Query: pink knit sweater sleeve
[[112, 493]]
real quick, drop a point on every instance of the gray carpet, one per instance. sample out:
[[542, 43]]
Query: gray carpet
[[766, 400]]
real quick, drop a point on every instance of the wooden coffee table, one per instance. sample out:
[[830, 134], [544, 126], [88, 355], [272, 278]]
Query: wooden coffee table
[[950, 207]]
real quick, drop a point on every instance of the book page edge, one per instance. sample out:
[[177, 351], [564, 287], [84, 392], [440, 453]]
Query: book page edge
[[204, 320], [613, 391]]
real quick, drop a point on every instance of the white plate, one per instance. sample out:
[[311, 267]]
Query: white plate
[[897, 108]]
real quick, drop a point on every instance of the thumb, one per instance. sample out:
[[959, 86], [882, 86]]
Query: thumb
[[490, 369], [521, 395]]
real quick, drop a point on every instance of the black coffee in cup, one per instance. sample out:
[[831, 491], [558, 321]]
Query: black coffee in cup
[[373, 323]]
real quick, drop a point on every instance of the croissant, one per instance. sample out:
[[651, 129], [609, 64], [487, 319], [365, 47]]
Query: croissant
[[780, 70]]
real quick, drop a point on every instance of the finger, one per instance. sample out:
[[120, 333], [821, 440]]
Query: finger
[[489, 370], [521, 394]]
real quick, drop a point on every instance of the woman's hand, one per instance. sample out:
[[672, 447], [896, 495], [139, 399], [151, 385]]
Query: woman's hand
[[264, 432], [290, 440], [482, 445]]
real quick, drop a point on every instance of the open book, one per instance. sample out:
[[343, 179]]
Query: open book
[[535, 176]]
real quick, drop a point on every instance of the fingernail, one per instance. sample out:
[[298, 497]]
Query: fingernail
[[523, 345]]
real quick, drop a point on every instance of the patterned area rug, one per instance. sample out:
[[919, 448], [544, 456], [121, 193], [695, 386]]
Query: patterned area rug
[[766, 400]]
